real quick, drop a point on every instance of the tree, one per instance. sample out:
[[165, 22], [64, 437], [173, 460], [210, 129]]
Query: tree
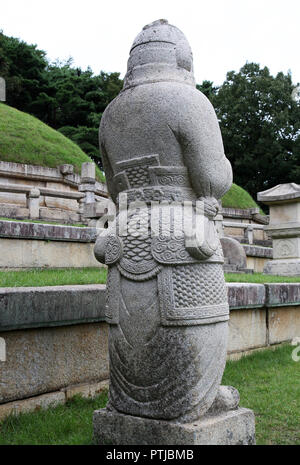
[[61, 95], [23, 67], [260, 124], [208, 89]]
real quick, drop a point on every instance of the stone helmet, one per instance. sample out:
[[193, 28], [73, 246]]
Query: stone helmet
[[160, 52]]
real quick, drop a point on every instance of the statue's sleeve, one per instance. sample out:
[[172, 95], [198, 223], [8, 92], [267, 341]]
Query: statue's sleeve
[[203, 153], [107, 167]]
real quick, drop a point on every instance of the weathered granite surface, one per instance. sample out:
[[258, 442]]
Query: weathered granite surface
[[246, 295], [167, 304], [284, 228], [233, 427], [34, 307], [234, 255], [2, 90], [258, 251], [22, 230], [41, 360]]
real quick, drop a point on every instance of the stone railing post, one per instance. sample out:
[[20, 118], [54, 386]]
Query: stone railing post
[[87, 184], [218, 220], [284, 228], [248, 234], [33, 203], [2, 90]]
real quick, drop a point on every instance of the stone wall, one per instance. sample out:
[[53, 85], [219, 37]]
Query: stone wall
[[257, 256], [56, 337], [62, 178], [34, 245], [246, 225]]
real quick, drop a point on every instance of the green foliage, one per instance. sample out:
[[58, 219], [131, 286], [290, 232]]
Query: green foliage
[[269, 383], [25, 139], [68, 276], [259, 278], [85, 137], [23, 67], [70, 423], [207, 88], [237, 197], [59, 94], [259, 119], [52, 277], [260, 124]]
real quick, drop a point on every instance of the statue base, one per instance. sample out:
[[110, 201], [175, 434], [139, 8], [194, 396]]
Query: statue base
[[232, 427]]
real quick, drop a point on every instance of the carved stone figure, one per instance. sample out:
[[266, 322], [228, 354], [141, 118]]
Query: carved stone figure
[[167, 303]]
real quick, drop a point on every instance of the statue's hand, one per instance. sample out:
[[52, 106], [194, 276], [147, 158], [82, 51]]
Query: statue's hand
[[202, 242]]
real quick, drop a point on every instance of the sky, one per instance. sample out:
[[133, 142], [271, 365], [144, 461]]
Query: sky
[[223, 34]]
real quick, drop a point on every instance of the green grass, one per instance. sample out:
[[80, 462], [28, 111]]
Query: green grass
[[259, 278], [268, 382], [237, 197], [67, 276], [69, 424], [51, 277], [25, 139]]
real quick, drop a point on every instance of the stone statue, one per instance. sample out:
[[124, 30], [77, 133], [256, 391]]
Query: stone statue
[[166, 297]]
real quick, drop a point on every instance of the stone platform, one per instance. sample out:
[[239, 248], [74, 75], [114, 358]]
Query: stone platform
[[234, 427]]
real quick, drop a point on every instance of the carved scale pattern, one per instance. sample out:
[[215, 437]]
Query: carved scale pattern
[[137, 176], [196, 286], [137, 243]]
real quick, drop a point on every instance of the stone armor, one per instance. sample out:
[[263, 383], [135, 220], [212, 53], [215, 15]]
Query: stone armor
[[166, 296]]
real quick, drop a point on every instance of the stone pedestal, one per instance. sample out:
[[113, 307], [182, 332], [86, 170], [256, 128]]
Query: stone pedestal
[[234, 427], [284, 228]]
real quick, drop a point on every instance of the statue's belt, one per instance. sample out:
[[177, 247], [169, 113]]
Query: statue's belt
[[164, 251], [157, 194]]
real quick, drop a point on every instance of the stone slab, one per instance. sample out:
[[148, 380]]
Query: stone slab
[[62, 305], [44, 360], [246, 295], [86, 390], [282, 294], [247, 329], [43, 401], [256, 263], [52, 399], [29, 254], [283, 267], [36, 172], [229, 428], [32, 307], [284, 324], [258, 251], [21, 230], [239, 213]]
